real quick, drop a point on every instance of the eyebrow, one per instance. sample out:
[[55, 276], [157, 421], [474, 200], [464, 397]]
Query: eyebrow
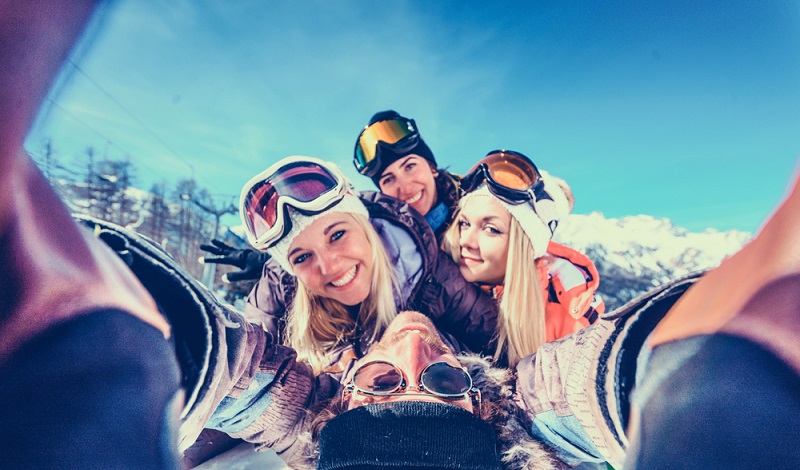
[[488, 218], [403, 163], [324, 232]]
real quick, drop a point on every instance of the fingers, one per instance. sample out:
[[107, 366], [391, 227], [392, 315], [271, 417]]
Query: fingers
[[221, 244], [218, 259], [211, 249], [240, 276]]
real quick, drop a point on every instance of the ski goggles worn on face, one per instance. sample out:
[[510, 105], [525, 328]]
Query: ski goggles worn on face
[[509, 175], [388, 133], [305, 184], [441, 379]]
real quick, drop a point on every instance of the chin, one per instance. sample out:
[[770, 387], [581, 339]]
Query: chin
[[357, 295], [468, 274]]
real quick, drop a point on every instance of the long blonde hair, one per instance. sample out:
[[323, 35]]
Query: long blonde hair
[[521, 317], [521, 322], [315, 325]]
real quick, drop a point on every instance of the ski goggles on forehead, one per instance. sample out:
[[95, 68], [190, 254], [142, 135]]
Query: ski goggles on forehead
[[441, 379], [308, 186], [509, 175], [389, 133]]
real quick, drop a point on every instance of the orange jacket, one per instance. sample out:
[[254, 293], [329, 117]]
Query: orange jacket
[[571, 303]]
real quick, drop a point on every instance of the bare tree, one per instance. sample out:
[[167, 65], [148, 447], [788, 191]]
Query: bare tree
[[158, 214]]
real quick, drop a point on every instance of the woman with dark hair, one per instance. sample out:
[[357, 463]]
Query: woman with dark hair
[[391, 152]]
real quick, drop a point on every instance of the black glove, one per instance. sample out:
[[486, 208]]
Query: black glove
[[249, 261]]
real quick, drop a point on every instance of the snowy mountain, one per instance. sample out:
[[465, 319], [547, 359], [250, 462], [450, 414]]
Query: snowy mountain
[[636, 253]]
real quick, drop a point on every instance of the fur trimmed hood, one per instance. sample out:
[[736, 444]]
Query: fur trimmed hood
[[518, 449]]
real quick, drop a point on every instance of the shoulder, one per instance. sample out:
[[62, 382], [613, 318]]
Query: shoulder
[[385, 209], [573, 256], [271, 296]]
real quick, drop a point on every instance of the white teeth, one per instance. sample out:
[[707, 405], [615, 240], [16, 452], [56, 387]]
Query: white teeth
[[346, 278], [414, 198]]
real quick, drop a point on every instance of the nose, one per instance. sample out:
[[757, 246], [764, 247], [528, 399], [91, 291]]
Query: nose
[[413, 355], [467, 238], [403, 186], [328, 262]]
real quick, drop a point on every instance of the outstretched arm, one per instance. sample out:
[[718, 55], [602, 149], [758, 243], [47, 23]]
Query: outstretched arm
[[575, 391], [269, 404]]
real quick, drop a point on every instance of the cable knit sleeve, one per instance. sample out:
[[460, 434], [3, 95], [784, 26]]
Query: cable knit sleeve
[[268, 403], [270, 298]]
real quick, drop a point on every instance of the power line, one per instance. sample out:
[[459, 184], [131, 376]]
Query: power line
[[134, 117], [98, 133]]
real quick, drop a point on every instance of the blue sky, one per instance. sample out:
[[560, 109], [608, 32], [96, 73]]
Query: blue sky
[[687, 110]]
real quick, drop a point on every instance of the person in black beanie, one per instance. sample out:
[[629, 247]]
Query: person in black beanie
[[412, 403], [391, 152]]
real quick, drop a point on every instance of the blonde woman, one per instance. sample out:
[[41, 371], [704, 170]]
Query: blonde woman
[[501, 240], [342, 265]]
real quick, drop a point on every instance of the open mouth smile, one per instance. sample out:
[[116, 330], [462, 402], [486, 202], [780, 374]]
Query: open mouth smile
[[414, 198], [346, 278]]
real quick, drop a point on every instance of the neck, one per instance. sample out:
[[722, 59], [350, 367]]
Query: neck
[[436, 216]]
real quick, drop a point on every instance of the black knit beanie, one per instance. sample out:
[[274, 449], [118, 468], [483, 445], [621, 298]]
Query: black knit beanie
[[408, 435], [389, 156]]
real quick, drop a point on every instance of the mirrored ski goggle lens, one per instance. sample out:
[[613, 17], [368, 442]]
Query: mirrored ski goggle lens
[[509, 170], [378, 377], [390, 132], [445, 379], [301, 181]]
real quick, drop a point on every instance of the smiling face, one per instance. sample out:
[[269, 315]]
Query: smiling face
[[484, 227], [411, 343], [332, 257], [412, 180]]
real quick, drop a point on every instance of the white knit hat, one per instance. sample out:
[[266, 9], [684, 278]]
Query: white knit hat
[[538, 221], [350, 203]]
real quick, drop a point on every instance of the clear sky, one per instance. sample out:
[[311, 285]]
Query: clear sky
[[688, 110]]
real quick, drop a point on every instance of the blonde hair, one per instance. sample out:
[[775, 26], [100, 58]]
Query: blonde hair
[[521, 320], [315, 325], [451, 243], [521, 317]]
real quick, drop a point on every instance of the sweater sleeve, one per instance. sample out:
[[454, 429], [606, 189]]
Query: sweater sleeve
[[557, 387], [268, 404], [575, 392], [270, 298]]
